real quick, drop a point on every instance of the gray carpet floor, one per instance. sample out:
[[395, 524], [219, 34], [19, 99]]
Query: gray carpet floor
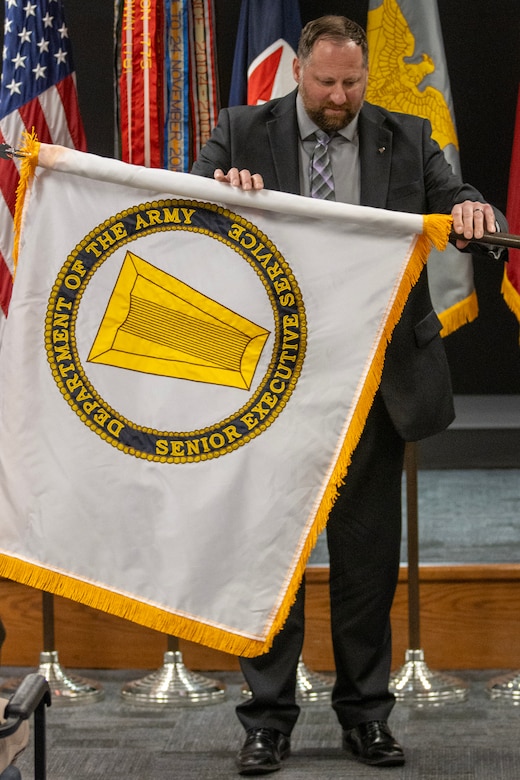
[[476, 738]]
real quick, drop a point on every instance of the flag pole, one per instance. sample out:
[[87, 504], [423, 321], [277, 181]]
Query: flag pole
[[495, 239], [414, 682], [510, 240]]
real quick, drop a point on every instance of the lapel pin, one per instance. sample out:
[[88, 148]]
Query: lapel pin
[[381, 149]]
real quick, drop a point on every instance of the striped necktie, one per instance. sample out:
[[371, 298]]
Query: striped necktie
[[321, 179]]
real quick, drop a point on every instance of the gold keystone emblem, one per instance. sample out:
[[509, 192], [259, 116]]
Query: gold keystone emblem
[[156, 324]]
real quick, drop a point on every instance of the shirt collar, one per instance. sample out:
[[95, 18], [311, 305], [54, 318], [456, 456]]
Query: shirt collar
[[307, 127]]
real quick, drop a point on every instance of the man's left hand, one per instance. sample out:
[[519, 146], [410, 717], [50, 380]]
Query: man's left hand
[[472, 219]]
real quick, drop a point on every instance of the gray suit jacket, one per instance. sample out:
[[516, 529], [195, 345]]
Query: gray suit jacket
[[402, 169]]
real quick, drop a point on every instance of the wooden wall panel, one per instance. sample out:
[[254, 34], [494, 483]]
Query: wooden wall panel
[[470, 619]]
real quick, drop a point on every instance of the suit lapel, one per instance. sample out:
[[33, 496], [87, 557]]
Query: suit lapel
[[375, 153], [282, 131]]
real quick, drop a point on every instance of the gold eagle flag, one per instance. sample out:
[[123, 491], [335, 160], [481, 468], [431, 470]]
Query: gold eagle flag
[[185, 371], [409, 74]]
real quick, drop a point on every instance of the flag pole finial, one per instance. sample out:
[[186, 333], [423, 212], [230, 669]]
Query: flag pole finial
[[7, 152]]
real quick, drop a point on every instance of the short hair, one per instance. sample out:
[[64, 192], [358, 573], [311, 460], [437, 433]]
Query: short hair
[[337, 28]]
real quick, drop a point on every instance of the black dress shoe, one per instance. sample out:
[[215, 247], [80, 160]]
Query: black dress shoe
[[263, 751], [373, 743]]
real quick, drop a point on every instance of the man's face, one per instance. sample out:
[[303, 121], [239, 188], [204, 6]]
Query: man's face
[[332, 83]]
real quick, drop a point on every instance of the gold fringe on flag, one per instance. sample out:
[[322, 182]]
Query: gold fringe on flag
[[463, 311], [511, 296], [128, 608], [459, 314], [437, 229], [29, 152], [436, 232]]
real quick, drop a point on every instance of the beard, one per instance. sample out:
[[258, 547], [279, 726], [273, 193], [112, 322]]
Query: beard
[[330, 123]]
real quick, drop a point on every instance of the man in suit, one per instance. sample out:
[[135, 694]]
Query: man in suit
[[389, 161]]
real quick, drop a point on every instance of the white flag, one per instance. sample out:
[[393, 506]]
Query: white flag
[[185, 372]]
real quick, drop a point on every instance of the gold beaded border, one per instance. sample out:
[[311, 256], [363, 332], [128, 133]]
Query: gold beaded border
[[108, 423]]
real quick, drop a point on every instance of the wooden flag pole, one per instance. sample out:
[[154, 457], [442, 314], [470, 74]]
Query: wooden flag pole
[[495, 239], [412, 511]]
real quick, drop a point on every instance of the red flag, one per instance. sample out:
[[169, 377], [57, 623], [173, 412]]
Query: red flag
[[37, 91], [141, 83], [511, 281], [166, 76]]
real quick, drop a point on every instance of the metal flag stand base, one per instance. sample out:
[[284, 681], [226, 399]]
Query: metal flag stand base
[[65, 689], [415, 682], [173, 684], [506, 688], [310, 686]]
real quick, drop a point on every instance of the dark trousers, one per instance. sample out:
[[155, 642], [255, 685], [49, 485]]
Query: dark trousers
[[364, 537]]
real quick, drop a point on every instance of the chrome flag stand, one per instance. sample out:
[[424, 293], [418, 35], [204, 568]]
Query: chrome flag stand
[[311, 687], [173, 685], [414, 682], [505, 688], [65, 689]]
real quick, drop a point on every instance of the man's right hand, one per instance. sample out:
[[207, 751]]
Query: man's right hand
[[243, 179]]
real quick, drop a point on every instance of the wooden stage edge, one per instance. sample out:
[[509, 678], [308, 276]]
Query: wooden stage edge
[[469, 619]]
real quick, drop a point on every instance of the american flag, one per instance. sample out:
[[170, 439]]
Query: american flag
[[37, 91]]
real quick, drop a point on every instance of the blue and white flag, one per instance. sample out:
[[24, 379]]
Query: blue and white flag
[[267, 40]]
